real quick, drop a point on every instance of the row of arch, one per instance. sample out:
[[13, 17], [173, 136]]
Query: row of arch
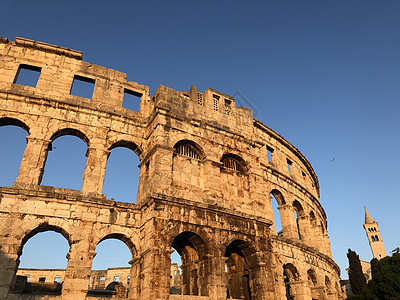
[[241, 265]]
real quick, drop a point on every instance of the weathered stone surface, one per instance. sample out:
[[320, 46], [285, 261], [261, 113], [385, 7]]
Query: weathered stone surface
[[205, 185]]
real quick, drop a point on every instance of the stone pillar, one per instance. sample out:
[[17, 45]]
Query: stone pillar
[[93, 177], [216, 277], [262, 282], [304, 227], [77, 274], [300, 290], [33, 161], [134, 284], [288, 220], [8, 266]]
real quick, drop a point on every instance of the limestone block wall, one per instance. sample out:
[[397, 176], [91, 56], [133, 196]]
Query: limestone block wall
[[205, 186]]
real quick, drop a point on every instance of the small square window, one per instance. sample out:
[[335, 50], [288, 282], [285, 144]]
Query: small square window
[[57, 279], [102, 278], [27, 75], [131, 100], [42, 279], [83, 87], [116, 278], [28, 279], [303, 174]]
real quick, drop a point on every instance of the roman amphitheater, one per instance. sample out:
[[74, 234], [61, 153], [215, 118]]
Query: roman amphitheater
[[209, 173]]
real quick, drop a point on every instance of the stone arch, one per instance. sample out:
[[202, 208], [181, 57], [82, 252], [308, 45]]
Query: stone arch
[[291, 278], [312, 277], [69, 131], [328, 284], [42, 228], [192, 149], [242, 267], [195, 267], [278, 196], [4, 121], [123, 238], [127, 144], [234, 162]]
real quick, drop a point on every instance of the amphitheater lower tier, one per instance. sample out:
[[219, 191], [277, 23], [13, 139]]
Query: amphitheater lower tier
[[224, 253]]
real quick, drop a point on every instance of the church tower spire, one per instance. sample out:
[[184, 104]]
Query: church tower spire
[[374, 236]]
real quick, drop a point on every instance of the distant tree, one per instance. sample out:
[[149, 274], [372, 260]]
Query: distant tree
[[385, 283], [356, 276]]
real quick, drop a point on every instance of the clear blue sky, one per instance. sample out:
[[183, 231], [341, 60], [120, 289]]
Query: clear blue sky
[[324, 74]]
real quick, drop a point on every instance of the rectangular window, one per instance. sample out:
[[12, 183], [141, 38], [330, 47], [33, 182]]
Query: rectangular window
[[289, 164], [216, 102], [28, 279], [57, 279], [131, 100], [269, 153], [228, 106], [42, 279], [199, 98], [303, 174], [102, 278], [27, 75], [116, 278], [83, 87]]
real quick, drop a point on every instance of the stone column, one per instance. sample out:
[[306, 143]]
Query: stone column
[[77, 274], [300, 290], [216, 277], [288, 220], [93, 177], [8, 265], [134, 284], [33, 161]]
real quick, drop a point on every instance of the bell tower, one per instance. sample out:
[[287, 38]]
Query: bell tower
[[374, 236]]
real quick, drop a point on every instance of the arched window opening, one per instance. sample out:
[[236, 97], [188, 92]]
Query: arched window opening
[[188, 149], [190, 257], [121, 180], [313, 219], [376, 238], [328, 285], [373, 238], [276, 201], [111, 271], [42, 269], [312, 283], [238, 270], [233, 162], [290, 275], [66, 160], [298, 211], [13, 136]]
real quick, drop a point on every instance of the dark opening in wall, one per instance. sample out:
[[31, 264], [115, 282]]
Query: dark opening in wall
[[131, 100], [27, 75], [42, 279], [289, 164], [270, 151], [83, 87]]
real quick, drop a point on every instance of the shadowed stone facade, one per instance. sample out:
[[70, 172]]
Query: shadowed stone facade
[[205, 187]]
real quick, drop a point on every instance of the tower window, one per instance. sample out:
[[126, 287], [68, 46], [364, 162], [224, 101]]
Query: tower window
[[228, 106], [376, 238], [199, 98], [373, 238], [215, 102]]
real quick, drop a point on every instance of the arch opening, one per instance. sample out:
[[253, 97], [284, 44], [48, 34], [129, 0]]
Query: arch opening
[[298, 212], [233, 162], [193, 264], [189, 149], [41, 270], [13, 134], [290, 275], [66, 159], [277, 201], [122, 160], [111, 272], [239, 266]]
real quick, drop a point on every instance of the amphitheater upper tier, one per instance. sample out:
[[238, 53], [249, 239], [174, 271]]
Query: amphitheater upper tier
[[209, 173]]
